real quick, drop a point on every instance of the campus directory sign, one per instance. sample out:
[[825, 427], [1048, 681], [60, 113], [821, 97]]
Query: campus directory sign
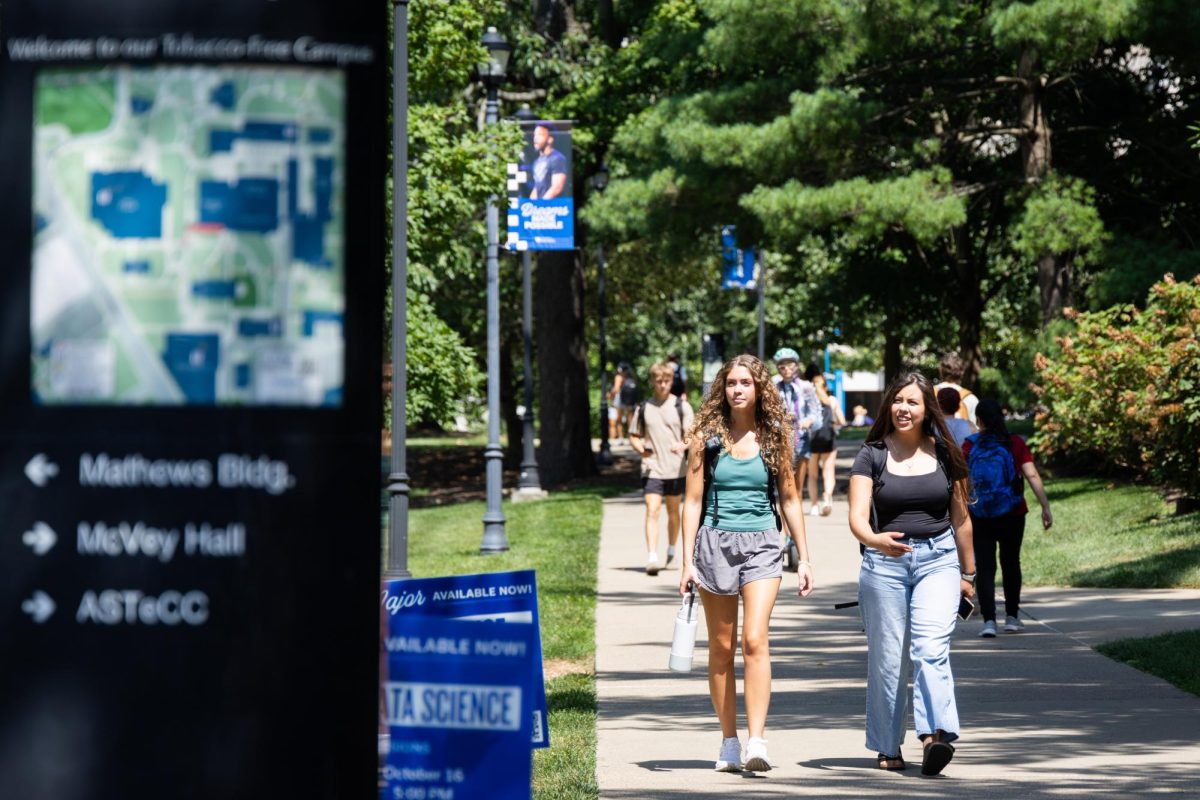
[[191, 311], [489, 597], [541, 200], [457, 702]]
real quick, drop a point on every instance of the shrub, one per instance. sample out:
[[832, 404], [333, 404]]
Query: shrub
[[1124, 391]]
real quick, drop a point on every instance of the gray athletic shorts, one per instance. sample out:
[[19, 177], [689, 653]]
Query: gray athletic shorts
[[727, 560]]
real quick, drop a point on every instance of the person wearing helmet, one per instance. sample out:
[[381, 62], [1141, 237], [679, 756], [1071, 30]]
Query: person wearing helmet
[[800, 399]]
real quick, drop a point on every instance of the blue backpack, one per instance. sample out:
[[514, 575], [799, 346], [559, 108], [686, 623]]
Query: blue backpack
[[994, 477]]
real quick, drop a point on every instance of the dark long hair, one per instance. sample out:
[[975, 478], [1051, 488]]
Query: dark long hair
[[989, 413], [933, 425]]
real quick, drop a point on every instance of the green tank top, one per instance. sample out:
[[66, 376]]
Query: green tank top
[[741, 484]]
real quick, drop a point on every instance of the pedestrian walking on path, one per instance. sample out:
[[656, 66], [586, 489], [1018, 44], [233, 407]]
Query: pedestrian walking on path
[[823, 443], [908, 507], [739, 460], [658, 433], [1046, 715], [998, 460]]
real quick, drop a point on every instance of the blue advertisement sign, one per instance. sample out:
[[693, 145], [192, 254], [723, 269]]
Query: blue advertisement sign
[[737, 266], [485, 597], [541, 224], [541, 199], [458, 700]]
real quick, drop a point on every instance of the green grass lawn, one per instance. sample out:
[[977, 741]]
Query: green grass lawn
[[1108, 534], [1172, 656], [558, 537]]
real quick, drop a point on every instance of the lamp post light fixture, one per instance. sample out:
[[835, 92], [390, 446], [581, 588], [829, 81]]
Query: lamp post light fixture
[[529, 483], [492, 72], [599, 182], [397, 481]]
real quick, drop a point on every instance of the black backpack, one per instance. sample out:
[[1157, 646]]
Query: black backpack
[[629, 393], [712, 449]]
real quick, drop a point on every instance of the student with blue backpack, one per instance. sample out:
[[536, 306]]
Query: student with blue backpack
[[998, 462]]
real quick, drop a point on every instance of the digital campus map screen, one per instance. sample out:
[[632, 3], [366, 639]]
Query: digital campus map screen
[[188, 245]]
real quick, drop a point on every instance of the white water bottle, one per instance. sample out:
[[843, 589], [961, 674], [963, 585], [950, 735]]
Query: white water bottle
[[683, 642]]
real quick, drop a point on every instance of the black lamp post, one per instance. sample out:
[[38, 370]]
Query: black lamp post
[[397, 551], [599, 182], [529, 483], [492, 73]]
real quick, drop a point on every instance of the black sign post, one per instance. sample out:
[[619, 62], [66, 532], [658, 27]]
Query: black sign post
[[190, 340]]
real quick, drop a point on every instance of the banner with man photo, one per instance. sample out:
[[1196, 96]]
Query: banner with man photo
[[541, 201]]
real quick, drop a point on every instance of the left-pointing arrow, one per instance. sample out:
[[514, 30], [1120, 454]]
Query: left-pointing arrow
[[40, 607], [41, 537], [40, 470]]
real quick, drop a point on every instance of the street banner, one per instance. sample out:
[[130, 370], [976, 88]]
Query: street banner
[[190, 341], [737, 265], [491, 596], [458, 702], [541, 200]]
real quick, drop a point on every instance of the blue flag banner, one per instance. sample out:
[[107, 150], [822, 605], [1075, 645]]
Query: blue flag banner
[[490, 597], [541, 197], [737, 266], [458, 702], [541, 224]]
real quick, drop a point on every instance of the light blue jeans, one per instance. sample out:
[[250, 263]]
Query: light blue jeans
[[909, 607]]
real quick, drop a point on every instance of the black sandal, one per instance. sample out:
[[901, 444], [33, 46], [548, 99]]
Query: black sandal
[[937, 756], [884, 759]]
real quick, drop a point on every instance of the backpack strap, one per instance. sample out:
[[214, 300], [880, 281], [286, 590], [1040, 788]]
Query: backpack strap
[[771, 478], [641, 419], [878, 454], [712, 449]]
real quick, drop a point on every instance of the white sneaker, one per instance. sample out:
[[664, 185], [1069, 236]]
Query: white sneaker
[[815, 511], [652, 565], [1013, 625], [989, 629], [670, 555], [756, 756], [730, 757]]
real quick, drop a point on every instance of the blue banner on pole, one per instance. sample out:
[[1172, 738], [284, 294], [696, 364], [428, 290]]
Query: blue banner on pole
[[541, 224], [458, 704], [541, 199], [737, 266], [491, 597]]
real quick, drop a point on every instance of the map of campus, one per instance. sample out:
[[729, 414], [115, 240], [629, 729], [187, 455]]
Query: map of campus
[[189, 236]]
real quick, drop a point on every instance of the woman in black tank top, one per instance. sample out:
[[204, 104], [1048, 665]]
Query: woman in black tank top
[[908, 508]]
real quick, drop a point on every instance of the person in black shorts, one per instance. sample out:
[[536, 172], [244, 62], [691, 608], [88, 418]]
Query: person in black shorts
[[657, 432]]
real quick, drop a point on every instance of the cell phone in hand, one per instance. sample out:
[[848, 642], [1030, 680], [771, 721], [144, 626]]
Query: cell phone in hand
[[965, 608]]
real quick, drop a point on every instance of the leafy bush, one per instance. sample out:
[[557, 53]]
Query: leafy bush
[[1124, 390]]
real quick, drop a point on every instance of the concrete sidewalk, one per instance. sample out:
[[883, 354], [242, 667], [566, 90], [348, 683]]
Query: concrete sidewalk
[[1043, 714]]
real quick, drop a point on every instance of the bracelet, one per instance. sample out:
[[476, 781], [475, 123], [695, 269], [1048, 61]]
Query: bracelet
[[805, 563]]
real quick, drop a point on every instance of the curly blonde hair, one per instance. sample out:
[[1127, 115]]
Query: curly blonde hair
[[771, 423]]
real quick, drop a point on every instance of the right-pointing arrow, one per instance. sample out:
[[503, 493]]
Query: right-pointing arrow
[[40, 607], [40, 470], [41, 538]]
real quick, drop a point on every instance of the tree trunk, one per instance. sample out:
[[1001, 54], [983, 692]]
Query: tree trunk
[[968, 307], [566, 427], [892, 363], [1054, 273], [607, 23]]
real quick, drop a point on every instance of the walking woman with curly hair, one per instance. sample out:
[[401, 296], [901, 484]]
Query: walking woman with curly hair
[[740, 459], [909, 489]]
